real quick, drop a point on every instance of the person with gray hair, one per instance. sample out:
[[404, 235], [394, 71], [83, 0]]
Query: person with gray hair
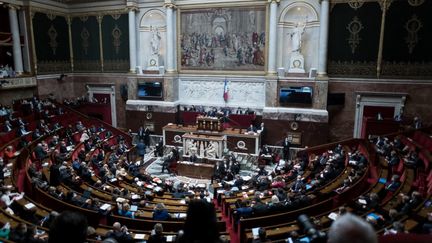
[[351, 228]]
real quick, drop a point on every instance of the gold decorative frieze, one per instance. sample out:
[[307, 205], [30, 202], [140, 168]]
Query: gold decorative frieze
[[349, 68], [46, 67], [404, 69], [354, 28], [412, 26], [116, 65], [87, 66]]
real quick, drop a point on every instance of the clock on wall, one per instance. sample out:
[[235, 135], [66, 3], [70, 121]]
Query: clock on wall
[[153, 62]]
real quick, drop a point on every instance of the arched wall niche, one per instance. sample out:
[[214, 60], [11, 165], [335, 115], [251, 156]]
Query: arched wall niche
[[150, 20], [290, 15]]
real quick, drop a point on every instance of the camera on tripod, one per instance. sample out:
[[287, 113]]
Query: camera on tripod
[[313, 234]]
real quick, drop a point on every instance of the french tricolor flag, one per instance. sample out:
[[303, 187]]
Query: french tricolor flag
[[225, 94]]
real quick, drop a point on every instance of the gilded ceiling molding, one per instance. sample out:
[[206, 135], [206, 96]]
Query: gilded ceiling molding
[[34, 10], [12, 6], [51, 16], [115, 16], [355, 4], [416, 3], [83, 18]]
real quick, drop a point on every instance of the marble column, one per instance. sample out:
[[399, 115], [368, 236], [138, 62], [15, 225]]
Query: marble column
[[132, 41], [17, 55], [169, 60], [271, 65], [323, 38]]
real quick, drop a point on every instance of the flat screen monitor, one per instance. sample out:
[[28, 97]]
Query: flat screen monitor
[[152, 90], [295, 95]]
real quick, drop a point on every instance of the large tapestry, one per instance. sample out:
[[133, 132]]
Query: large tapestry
[[223, 39]]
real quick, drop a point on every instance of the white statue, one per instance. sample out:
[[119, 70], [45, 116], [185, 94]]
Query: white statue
[[210, 151], [296, 36], [155, 41]]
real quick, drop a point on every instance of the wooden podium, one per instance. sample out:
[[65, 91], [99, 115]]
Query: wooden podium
[[195, 170], [213, 124]]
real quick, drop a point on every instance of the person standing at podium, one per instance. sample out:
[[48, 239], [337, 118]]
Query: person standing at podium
[[286, 149], [193, 158]]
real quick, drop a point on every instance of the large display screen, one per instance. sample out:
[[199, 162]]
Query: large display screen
[[295, 95], [150, 90]]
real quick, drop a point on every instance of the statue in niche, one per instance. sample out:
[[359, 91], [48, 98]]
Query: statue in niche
[[296, 37], [155, 40], [154, 60], [296, 63]]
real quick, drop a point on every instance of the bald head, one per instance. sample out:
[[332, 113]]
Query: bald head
[[353, 229], [116, 226]]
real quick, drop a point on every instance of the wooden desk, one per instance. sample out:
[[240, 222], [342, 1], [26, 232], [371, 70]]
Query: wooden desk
[[237, 139], [195, 170]]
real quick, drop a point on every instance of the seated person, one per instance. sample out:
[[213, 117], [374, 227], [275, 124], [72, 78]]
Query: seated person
[[119, 233], [394, 183], [160, 212], [7, 127], [124, 210], [251, 129], [393, 159], [157, 235]]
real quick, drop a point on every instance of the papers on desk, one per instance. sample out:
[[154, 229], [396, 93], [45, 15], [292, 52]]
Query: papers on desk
[[149, 186], [120, 200], [113, 180], [180, 215], [230, 183], [170, 238], [255, 232], [139, 236], [134, 208], [220, 191], [157, 189], [29, 206], [69, 148], [135, 196], [182, 201], [333, 216], [17, 153], [244, 187], [46, 164], [362, 201], [7, 174], [105, 207], [246, 178]]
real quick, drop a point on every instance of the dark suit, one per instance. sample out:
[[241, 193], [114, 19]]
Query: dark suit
[[193, 158], [286, 149], [40, 153]]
